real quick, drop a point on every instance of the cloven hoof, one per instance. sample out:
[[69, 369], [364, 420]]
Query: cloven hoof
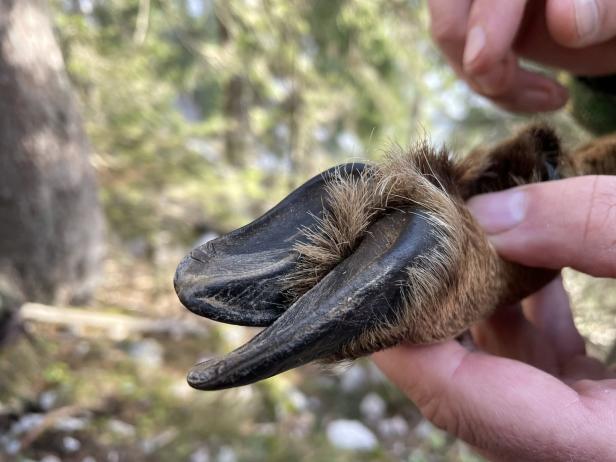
[[363, 257]]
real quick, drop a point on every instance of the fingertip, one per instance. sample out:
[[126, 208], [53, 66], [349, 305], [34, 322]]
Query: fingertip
[[547, 97], [495, 82], [536, 93], [423, 373], [489, 72], [489, 62], [407, 364], [474, 49], [580, 23], [448, 23], [567, 223], [517, 89]]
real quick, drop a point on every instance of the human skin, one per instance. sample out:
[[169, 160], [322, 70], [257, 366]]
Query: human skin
[[527, 390], [483, 40]]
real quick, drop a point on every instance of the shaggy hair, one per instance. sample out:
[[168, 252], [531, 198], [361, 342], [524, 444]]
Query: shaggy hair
[[460, 280], [595, 158]]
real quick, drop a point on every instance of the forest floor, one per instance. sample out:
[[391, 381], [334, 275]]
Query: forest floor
[[107, 383]]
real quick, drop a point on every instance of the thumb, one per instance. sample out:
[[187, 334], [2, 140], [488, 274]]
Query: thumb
[[561, 223], [579, 23], [504, 407]]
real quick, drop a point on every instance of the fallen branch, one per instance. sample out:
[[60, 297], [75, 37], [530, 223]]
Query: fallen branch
[[118, 326], [49, 421]]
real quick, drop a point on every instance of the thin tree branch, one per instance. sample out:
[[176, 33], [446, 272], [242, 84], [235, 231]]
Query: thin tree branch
[[143, 22], [116, 326]]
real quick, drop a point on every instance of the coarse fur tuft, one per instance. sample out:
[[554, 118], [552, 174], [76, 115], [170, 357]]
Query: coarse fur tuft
[[595, 158], [352, 205], [417, 177]]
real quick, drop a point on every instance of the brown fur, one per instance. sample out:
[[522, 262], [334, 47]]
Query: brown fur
[[518, 160], [462, 280], [595, 158]]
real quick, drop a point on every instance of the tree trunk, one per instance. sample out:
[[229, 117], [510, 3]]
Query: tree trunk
[[235, 106], [236, 120], [50, 218]]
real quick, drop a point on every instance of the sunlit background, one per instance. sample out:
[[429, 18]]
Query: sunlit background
[[201, 115]]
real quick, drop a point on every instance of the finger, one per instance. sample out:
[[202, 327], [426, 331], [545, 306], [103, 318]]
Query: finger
[[550, 312], [535, 43], [579, 23], [492, 68], [562, 223], [509, 86], [584, 368], [488, 59], [531, 92], [586, 61], [448, 21], [480, 398]]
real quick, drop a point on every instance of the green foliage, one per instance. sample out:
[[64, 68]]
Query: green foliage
[[144, 411], [593, 108], [203, 114]]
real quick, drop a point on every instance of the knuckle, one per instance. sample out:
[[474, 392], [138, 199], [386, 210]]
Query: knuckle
[[452, 418], [496, 80], [424, 399], [447, 30], [500, 87], [602, 207], [440, 413], [434, 406]]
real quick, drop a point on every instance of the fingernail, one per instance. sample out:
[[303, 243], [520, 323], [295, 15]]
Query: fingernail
[[475, 42], [586, 18], [536, 98], [499, 212]]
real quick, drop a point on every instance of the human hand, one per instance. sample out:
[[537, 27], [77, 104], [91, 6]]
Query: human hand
[[532, 393], [484, 39]]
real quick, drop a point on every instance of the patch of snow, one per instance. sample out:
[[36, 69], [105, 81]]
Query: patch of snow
[[226, 454], [298, 400], [394, 427], [351, 434], [12, 446], [27, 422], [50, 458], [121, 428], [71, 444], [353, 378], [200, 455], [372, 406], [148, 351], [47, 399], [71, 424], [424, 429]]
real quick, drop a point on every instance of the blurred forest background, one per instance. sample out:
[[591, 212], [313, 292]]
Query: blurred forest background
[[197, 116]]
